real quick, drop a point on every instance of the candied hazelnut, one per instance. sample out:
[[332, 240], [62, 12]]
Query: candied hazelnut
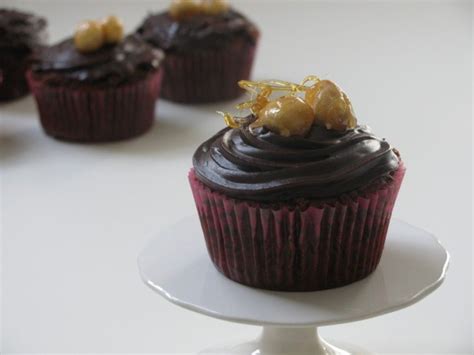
[[287, 116], [88, 37], [180, 9], [214, 7], [332, 107], [112, 28]]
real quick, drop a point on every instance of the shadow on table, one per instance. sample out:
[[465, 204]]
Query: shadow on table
[[12, 145], [177, 128], [164, 137], [21, 107], [13, 141]]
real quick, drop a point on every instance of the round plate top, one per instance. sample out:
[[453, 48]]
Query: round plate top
[[176, 265]]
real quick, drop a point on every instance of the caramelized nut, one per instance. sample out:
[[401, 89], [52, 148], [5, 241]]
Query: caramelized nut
[[89, 36], [180, 9], [214, 7], [112, 28], [287, 116], [331, 106]]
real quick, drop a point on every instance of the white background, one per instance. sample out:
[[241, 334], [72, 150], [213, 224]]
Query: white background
[[74, 217]]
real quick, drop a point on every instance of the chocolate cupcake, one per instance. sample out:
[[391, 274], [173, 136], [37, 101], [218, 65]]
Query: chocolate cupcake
[[20, 34], [296, 196], [97, 86], [208, 46]]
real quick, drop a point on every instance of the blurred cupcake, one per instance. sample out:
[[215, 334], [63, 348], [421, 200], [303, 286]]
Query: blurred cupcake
[[97, 86], [296, 196], [208, 46], [20, 34]]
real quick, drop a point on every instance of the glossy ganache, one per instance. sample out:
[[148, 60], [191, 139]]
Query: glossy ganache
[[264, 166], [129, 60], [21, 30], [197, 32]]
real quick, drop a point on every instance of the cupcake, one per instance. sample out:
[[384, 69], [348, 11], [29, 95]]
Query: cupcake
[[208, 47], [296, 196], [97, 86], [20, 34]]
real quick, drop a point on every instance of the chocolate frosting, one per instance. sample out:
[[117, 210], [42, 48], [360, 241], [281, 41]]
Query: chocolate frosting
[[197, 32], [111, 64], [265, 166], [21, 30]]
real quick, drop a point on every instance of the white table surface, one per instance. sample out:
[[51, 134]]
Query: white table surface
[[74, 217]]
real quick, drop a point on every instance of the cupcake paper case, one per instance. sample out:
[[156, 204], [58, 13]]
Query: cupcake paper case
[[20, 34], [206, 54], [295, 213], [104, 95]]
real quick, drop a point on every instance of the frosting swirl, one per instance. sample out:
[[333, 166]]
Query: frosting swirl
[[111, 64], [265, 166], [21, 30], [200, 31]]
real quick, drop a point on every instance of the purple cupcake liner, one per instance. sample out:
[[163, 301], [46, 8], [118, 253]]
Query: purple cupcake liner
[[13, 67], [89, 114], [207, 75], [296, 247]]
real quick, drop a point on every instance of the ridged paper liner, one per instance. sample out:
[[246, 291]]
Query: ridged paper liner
[[13, 66], [89, 114], [207, 75], [291, 248]]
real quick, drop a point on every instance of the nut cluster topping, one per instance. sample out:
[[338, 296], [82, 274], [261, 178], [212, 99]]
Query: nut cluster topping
[[92, 35], [322, 102], [181, 9]]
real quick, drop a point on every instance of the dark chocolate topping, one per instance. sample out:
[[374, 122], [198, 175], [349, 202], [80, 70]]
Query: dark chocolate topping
[[196, 32], [111, 64], [21, 30], [265, 166]]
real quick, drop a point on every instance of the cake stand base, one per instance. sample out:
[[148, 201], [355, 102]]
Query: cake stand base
[[287, 341], [175, 264]]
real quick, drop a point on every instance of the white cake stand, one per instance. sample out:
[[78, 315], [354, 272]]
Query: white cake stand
[[176, 265]]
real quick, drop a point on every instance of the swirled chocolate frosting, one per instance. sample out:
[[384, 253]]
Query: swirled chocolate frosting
[[197, 32], [131, 58], [265, 166], [21, 30]]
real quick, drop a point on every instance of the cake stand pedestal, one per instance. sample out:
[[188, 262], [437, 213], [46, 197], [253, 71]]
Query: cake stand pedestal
[[175, 264]]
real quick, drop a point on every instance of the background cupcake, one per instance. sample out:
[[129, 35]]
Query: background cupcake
[[208, 46], [20, 34], [97, 86], [296, 196]]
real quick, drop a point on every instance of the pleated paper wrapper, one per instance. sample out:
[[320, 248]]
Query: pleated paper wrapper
[[13, 66], [208, 75], [97, 114], [296, 247]]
